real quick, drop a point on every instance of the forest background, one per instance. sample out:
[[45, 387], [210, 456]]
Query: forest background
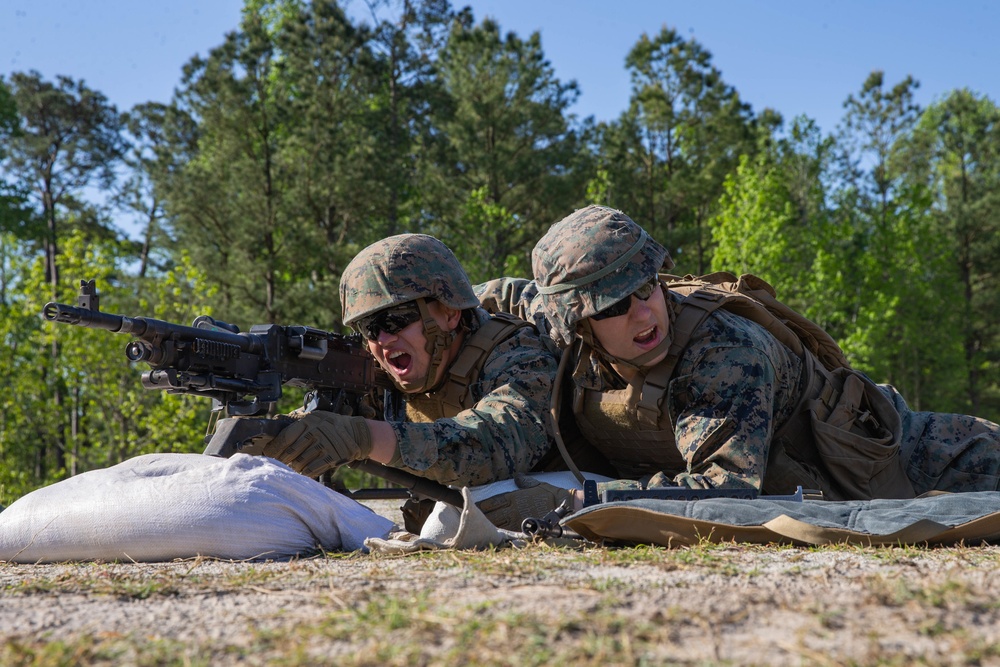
[[306, 135]]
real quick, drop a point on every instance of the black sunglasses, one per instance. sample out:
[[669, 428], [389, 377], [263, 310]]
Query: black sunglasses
[[390, 320], [621, 307]]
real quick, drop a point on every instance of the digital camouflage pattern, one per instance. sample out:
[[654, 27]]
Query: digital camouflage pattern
[[734, 385], [400, 269], [506, 431], [730, 392], [588, 261], [948, 452], [515, 296]]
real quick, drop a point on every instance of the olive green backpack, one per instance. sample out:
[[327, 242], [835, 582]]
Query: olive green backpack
[[754, 299]]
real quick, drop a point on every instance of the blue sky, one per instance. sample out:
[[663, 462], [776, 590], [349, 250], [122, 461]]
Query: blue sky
[[796, 56]]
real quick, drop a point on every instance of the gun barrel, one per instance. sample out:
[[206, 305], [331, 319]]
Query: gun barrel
[[92, 319], [149, 329]]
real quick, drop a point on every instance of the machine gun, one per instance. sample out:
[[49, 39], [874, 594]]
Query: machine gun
[[244, 373]]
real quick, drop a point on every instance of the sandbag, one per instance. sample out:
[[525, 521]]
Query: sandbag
[[159, 507], [941, 519]]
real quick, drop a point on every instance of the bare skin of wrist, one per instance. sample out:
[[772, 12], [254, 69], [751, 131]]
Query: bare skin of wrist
[[383, 441]]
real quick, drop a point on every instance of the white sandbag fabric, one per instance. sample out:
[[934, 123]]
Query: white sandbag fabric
[[465, 529], [943, 519], [159, 507]]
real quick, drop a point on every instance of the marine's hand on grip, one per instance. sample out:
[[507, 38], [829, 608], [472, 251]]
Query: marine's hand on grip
[[320, 441]]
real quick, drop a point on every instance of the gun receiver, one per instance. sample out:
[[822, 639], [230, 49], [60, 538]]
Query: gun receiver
[[244, 374]]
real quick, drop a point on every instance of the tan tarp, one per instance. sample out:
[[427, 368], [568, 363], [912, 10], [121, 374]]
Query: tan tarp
[[948, 519]]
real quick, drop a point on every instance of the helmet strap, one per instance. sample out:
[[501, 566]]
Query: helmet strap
[[437, 342]]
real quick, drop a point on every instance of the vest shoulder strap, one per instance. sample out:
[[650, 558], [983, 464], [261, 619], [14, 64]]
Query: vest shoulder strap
[[465, 370], [754, 299]]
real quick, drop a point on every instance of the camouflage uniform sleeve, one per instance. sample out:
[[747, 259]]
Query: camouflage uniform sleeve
[[502, 295], [723, 402], [731, 388], [514, 296], [724, 407], [506, 432]]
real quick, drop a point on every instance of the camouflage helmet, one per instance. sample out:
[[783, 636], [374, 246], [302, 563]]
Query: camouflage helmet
[[403, 268], [590, 260]]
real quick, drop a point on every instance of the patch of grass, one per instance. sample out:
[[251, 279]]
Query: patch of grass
[[609, 585], [98, 580], [457, 608], [101, 650], [940, 594], [251, 576], [419, 630]]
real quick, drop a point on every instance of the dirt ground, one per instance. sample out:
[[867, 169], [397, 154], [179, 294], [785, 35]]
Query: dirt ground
[[702, 605]]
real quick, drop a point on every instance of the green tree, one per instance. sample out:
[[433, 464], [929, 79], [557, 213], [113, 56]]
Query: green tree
[[899, 290], [671, 151], [225, 198], [275, 172], [69, 138], [105, 416], [954, 154], [510, 150], [406, 46], [15, 214], [754, 230], [137, 194], [773, 220]]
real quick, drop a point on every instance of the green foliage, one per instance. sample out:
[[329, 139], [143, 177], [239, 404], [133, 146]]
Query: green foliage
[[754, 229], [773, 222], [954, 154], [900, 290], [483, 213], [15, 215], [671, 151], [85, 408], [904, 322], [68, 137], [509, 148], [304, 136]]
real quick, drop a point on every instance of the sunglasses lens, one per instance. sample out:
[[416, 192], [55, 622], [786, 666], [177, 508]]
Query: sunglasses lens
[[646, 290], [621, 308], [391, 321], [615, 310]]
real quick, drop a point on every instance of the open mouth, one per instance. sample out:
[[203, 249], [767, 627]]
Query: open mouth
[[399, 361], [645, 337]]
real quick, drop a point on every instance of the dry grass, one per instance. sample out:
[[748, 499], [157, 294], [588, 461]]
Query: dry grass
[[708, 604]]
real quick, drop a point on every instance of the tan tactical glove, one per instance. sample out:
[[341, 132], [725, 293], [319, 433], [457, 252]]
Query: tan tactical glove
[[532, 499], [321, 441]]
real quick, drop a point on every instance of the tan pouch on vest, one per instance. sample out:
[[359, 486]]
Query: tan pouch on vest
[[857, 436]]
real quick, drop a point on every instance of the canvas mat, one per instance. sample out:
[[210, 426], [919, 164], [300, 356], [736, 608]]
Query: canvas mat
[[938, 520], [941, 519]]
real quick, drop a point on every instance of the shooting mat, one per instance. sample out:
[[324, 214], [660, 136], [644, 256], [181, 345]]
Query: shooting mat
[[941, 519]]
